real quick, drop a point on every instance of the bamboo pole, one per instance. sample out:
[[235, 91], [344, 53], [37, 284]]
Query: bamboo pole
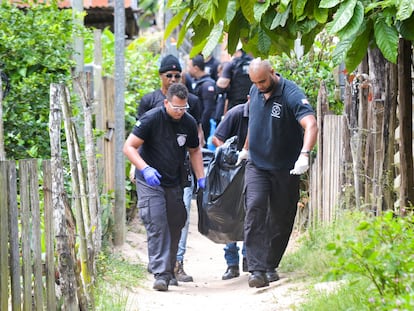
[[92, 177]]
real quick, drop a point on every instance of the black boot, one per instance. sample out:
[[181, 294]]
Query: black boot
[[231, 272]]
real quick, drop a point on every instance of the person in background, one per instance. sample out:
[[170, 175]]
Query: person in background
[[234, 80], [170, 73], [221, 97], [157, 148], [210, 66], [282, 132], [205, 88], [235, 122]]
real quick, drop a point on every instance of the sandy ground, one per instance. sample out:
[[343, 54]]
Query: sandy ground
[[204, 260]]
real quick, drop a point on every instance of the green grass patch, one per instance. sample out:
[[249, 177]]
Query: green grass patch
[[371, 258], [115, 276]]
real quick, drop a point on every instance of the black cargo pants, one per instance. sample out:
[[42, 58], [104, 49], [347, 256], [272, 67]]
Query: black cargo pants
[[163, 213], [271, 205]]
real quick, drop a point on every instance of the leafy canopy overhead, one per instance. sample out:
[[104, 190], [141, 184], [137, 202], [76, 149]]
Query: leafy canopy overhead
[[270, 27]]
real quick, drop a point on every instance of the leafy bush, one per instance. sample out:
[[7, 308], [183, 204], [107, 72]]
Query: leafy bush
[[35, 51], [381, 251], [309, 70]]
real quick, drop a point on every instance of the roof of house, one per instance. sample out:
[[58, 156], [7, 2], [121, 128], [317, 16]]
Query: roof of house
[[100, 14], [95, 3]]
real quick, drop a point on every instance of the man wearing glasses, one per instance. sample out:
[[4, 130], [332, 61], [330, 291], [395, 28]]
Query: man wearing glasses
[[157, 148], [170, 73]]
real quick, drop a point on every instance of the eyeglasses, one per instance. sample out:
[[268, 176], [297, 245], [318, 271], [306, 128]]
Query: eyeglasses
[[179, 108], [170, 75]]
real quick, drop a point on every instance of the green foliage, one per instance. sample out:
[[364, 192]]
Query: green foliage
[[312, 257], [310, 70], [35, 51], [270, 27], [346, 298], [141, 74], [379, 250], [108, 51], [114, 276], [141, 67]]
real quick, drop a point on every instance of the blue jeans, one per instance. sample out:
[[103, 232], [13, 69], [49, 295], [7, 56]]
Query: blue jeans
[[188, 194], [231, 253]]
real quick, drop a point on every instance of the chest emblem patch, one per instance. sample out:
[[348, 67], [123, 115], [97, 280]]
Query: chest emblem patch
[[181, 139], [276, 110]]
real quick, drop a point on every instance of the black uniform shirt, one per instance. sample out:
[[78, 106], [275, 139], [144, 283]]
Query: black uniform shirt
[[165, 142], [238, 72], [235, 122], [156, 99], [275, 134]]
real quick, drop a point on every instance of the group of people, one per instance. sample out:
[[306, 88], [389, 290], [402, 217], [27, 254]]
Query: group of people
[[276, 129]]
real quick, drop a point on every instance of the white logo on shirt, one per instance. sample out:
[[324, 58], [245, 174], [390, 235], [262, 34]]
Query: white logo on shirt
[[276, 110], [181, 139]]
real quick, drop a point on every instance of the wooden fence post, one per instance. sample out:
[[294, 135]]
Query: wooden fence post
[[50, 234], [31, 246], [15, 267], [65, 261], [4, 234]]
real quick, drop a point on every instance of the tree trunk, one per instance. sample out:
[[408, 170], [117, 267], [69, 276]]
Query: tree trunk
[[390, 124], [80, 201], [405, 120], [65, 260]]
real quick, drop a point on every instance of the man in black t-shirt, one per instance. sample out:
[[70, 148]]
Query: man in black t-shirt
[[234, 123], [235, 80], [205, 88], [282, 132], [170, 73], [157, 148]]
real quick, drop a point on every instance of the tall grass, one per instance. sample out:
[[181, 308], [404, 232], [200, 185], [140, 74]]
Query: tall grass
[[368, 260], [115, 276]]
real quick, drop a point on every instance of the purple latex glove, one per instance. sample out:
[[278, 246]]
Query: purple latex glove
[[201, 182], [151, 176]]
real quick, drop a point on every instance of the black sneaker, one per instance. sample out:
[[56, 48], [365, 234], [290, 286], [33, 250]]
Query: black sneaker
[[258, 279], [245, 268], [231, 272], [161, 285]]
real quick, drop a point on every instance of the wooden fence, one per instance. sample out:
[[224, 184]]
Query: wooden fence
[[27, 278]]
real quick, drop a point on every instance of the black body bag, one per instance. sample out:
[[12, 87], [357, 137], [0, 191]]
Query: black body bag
[[221, 204]]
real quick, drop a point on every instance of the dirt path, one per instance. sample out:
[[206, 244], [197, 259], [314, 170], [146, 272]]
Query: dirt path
[[204, 260]]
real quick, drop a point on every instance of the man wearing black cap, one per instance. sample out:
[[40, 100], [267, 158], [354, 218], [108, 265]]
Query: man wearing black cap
[[170, 73]]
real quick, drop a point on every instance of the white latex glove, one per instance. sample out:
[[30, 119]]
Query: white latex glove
[[243, 154], [132, 173], [301, 165]]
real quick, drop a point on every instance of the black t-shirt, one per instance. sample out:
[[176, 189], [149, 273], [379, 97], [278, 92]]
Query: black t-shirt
[[165, 142], [210, 67], [156, 99], [238, 72], [275, 134], [235, 122]]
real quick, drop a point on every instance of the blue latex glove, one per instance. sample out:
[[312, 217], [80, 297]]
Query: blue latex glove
[[201, 182], [151, 176]]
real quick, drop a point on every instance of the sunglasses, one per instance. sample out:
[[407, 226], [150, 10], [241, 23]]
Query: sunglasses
[[178, 108], [170, 75]]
